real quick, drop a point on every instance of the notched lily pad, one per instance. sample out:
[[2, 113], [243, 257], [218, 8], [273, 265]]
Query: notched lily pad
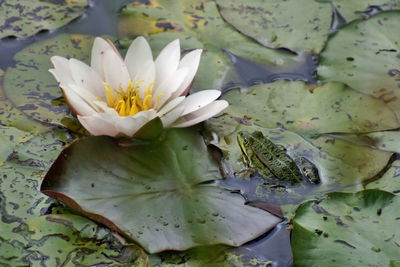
[[156, 194], [345, 229], [198, 24], [365, 55], [24, 18], [280, 24], [33, 90]]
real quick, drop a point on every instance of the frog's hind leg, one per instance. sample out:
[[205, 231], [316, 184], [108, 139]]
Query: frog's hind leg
[[308, 170]]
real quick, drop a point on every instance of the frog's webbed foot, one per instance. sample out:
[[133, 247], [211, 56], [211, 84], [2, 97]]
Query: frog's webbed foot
[[246, 173]]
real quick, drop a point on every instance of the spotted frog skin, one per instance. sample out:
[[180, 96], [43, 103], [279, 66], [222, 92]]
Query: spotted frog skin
[[272, 162]]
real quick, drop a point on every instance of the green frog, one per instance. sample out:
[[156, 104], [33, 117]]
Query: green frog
[[272, 162]]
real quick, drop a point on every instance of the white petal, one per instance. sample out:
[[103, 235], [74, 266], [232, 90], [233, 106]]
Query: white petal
[[190, 61], [129, 125], [86, 77], [198, 100], [170, 105], [115, 71], [202, 114], [139, 54], [100, 124], [61, 70], [76, 103], [168, 87], [100, 46], [146, 75], [102, 107], [167, 61], [86, 95], [171, 116]]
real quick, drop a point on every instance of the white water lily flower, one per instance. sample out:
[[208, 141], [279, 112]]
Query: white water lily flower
[[117, 97]]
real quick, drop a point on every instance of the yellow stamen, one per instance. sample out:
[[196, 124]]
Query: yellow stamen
[[128, 102]]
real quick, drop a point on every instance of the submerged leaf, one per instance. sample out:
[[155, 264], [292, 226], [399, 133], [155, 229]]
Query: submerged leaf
[[345, 229], [365, 56], [159, 194], [281, 24], [24, 18]]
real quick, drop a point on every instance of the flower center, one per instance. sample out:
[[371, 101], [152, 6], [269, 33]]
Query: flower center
[[128, 102]]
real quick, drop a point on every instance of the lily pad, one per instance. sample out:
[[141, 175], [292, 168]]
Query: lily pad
[[359, 229], [281, 24], [33, 90], [308, 110], [9, 138], [304, 114], [74, 240], [155, 193], [365, 55], [24, 18], [355, 9], [198, 24]]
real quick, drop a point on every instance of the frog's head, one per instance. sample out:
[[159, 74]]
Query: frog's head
[[245, 140]]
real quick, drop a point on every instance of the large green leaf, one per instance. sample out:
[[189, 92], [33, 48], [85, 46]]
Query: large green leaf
[[33, 90], [24, 18], [198, 24], [345, 229], [365, 56], [304, 114], [281, 23], [354, 9], [159, 194]]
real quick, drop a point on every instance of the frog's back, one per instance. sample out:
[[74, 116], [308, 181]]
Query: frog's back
[[278, 162]]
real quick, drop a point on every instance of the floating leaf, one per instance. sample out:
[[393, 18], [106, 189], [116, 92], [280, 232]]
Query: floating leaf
[[9, 138], [280, 24], [198, 24], [33, 90], [365, 55], [24, 18], [345, 229], [304, 114], [155, 193], [73, 240], [354, 9]]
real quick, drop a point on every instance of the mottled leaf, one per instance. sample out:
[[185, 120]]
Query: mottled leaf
[[346, 229], [24, 18], [366, 56], [155, 193], [9, 138], [33, 90], [280, 24], [198, 24], [303, 115], [354, 9]]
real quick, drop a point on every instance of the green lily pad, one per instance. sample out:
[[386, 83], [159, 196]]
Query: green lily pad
[[304, 114], [359, 229], [74, 240], [365, 55], [307, 110], [33, 90], [280, 24], [354, 9], [24, 18], [155, 193], [390, 181], [198, 24]]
